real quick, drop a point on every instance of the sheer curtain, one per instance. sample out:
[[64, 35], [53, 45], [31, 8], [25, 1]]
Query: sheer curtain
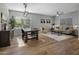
[[21, 22]]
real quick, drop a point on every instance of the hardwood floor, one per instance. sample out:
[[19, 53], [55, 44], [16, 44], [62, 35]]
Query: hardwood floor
[[43, 46]]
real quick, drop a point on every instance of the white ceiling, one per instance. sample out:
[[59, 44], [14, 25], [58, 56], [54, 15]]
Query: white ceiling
[[45, 8]]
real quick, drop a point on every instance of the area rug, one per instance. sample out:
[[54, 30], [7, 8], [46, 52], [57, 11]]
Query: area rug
[[57, 37]]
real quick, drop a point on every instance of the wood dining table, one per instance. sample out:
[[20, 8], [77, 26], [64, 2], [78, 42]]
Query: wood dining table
[[31, 34]]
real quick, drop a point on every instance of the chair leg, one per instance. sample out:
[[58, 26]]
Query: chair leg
[[22, 37], [25, 41], [36, 38]]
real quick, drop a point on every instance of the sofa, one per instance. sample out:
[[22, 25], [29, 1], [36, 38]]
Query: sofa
[[69, 30]]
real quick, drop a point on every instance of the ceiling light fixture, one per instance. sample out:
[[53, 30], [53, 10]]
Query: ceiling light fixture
[[59, 13], [25, 12]]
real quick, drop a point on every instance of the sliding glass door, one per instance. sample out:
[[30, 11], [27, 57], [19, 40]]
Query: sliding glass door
[[22, 22]]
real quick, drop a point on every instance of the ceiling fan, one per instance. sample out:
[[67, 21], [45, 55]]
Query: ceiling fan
[[25, 12]]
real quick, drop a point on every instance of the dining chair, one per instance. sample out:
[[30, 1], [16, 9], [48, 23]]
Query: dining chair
[[23, 34]]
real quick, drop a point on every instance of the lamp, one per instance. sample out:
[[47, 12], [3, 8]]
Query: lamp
[[75, 26]]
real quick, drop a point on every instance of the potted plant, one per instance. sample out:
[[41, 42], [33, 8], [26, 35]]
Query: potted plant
[[12, 25], [12, 22]]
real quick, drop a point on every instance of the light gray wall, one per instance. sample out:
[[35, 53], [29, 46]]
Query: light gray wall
[[15, 13], [73, 15], [57, 20], [5, 12], [34, 18]]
